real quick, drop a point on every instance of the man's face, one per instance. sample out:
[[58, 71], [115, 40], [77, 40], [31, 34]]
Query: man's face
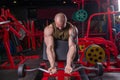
[[60, 21]]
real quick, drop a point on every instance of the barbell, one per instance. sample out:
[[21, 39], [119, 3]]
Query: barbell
[[22, 69]]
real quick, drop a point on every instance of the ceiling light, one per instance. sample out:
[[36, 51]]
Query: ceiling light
[[74, 2], [64, 2], [14, 1]]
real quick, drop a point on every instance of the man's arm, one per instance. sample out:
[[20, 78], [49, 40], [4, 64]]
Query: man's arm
[[48, 39], [73, 39]]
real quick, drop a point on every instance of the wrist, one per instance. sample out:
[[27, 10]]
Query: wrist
[[52, 66], [68, 65]]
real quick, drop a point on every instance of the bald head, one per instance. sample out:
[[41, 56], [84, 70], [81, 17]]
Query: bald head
[[60, 20]]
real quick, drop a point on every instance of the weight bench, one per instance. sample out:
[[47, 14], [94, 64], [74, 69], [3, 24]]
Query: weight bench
[[61, 49]]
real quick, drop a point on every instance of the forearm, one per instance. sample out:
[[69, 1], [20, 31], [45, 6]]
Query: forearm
[[70, 55], [51, 56]]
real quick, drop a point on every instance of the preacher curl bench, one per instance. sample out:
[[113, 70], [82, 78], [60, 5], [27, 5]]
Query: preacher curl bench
[[61, 49]]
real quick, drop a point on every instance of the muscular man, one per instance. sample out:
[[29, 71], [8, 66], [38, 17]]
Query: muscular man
[[62, 30]]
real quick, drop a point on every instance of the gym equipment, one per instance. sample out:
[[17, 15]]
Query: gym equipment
[[78, 70], [74, 17], [94, 53], [22, 69], [4, 22], [61, 52], [108, 46], [118, 36], [22, 33], [118, 40], [9, 23], [100, 70], [35, 37], [117, 27], [117, 19], [12, 48], [81, 15], [81, 47]]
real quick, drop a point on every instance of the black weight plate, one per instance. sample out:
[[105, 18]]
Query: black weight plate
[[21, 71]]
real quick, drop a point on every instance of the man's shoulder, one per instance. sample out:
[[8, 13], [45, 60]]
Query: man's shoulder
[[70, 24], [73, 28], [48, 29]]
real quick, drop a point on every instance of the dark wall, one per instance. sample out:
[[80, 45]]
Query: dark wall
[[49, 13], [20, 13]]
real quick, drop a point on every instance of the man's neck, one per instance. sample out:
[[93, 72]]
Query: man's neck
[[60, 28]]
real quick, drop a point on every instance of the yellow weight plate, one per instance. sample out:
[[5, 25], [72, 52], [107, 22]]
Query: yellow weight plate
[[94, 53], [81, 47]]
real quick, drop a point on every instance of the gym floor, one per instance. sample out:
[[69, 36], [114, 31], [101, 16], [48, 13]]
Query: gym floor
[[12, 74]]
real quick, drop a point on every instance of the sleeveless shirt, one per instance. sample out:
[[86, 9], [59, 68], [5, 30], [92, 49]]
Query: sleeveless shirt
[[61, 34]]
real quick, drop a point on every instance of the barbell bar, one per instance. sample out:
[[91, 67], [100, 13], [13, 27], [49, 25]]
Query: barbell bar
[[22, 69]]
